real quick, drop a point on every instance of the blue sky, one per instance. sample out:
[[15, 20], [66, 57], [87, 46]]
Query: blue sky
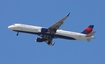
[[24, 50]]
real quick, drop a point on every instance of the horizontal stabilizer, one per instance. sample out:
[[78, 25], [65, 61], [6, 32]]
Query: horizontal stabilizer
[[88, 40], [90, 34]]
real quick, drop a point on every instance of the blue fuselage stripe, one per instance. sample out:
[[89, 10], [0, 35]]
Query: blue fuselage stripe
[[55, 36]]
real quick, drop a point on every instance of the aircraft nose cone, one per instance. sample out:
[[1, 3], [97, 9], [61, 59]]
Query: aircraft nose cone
[[10, 27]]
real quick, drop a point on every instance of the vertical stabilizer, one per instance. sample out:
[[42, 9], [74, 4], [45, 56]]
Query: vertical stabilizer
[[90, 34], [88, 29]]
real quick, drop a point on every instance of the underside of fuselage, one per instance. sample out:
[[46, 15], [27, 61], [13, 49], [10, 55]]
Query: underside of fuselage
[[54, 36]]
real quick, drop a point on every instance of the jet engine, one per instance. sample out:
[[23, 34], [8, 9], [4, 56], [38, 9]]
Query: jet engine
[[43, 30], [39, 40]]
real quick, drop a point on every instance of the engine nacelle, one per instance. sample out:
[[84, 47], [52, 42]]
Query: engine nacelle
[[39, 40], [43, 30]]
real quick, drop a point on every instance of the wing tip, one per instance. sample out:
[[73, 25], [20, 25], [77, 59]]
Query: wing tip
[[68, 14]]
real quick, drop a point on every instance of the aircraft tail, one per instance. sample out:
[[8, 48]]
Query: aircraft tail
[[88, 29], [88, 40], [89, 35]]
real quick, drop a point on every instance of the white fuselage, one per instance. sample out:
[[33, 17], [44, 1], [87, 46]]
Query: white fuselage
[[36, 30]]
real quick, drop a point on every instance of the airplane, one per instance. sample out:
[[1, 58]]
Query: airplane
[[52, 32]]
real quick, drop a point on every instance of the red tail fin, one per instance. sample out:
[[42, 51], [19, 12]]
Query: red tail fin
[[88, 29]]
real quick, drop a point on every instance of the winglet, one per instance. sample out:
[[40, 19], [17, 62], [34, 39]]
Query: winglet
[[68, 14]]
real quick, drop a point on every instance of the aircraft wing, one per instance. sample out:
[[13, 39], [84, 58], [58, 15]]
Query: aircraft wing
[[52, 29]]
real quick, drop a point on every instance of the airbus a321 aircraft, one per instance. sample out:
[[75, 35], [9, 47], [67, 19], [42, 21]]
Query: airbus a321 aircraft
[[48, 34]]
